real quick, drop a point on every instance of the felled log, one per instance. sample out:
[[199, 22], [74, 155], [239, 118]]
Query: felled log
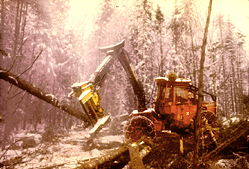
[[49, 98], [95, 162], [237, 133], [118, 158], [142, 153], [136, 159]]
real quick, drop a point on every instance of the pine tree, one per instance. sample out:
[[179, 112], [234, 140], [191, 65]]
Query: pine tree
[[159, 20], [142, 44]]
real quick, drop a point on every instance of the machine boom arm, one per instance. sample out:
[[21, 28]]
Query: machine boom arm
[[136, 84], [118, 52], [87, 92]]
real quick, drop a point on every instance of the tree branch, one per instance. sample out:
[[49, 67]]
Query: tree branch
[[31, 64], [15, 95], [18, 104], [16, 56]]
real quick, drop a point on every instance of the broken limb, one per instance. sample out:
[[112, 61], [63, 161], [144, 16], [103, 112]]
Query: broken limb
[[31, 89]]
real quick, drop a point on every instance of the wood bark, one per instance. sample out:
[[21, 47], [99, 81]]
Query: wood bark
[[49, 98], [136, 159], [200, 86], [193, 53], [143, 153]]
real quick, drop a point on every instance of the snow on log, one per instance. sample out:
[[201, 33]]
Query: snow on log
[[49, 98]]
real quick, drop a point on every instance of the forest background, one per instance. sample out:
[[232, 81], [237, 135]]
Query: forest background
[[54, 43]]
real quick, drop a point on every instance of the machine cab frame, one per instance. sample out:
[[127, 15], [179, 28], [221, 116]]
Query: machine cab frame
[[175, 102]]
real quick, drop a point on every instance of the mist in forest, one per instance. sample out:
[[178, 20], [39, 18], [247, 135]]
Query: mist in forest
[[53, 44]]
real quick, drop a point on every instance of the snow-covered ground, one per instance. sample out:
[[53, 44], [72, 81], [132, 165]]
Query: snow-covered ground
[[65, 150], [238, 162], [228, 122]]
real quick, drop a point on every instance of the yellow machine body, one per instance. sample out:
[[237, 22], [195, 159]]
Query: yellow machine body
[[89, 99]]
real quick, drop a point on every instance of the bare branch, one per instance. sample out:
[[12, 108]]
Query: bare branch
[[18, 104], [15, 95], [10, 147], [16, 56], [31, 64]]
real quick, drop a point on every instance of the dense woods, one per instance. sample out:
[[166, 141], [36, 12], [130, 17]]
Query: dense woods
[[40, 45]]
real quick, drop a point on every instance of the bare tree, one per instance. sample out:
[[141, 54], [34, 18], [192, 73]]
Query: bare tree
[[200, 86]]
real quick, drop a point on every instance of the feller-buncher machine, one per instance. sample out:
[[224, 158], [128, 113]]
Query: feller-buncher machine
[[175, 104]]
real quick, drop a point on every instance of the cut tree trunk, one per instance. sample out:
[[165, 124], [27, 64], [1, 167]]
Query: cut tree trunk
[[49, 98]]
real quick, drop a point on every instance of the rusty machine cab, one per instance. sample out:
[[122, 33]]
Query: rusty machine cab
[[175, 103]]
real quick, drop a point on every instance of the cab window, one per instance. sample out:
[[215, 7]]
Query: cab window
[[169, 93], [180, 94], [161, 91]]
